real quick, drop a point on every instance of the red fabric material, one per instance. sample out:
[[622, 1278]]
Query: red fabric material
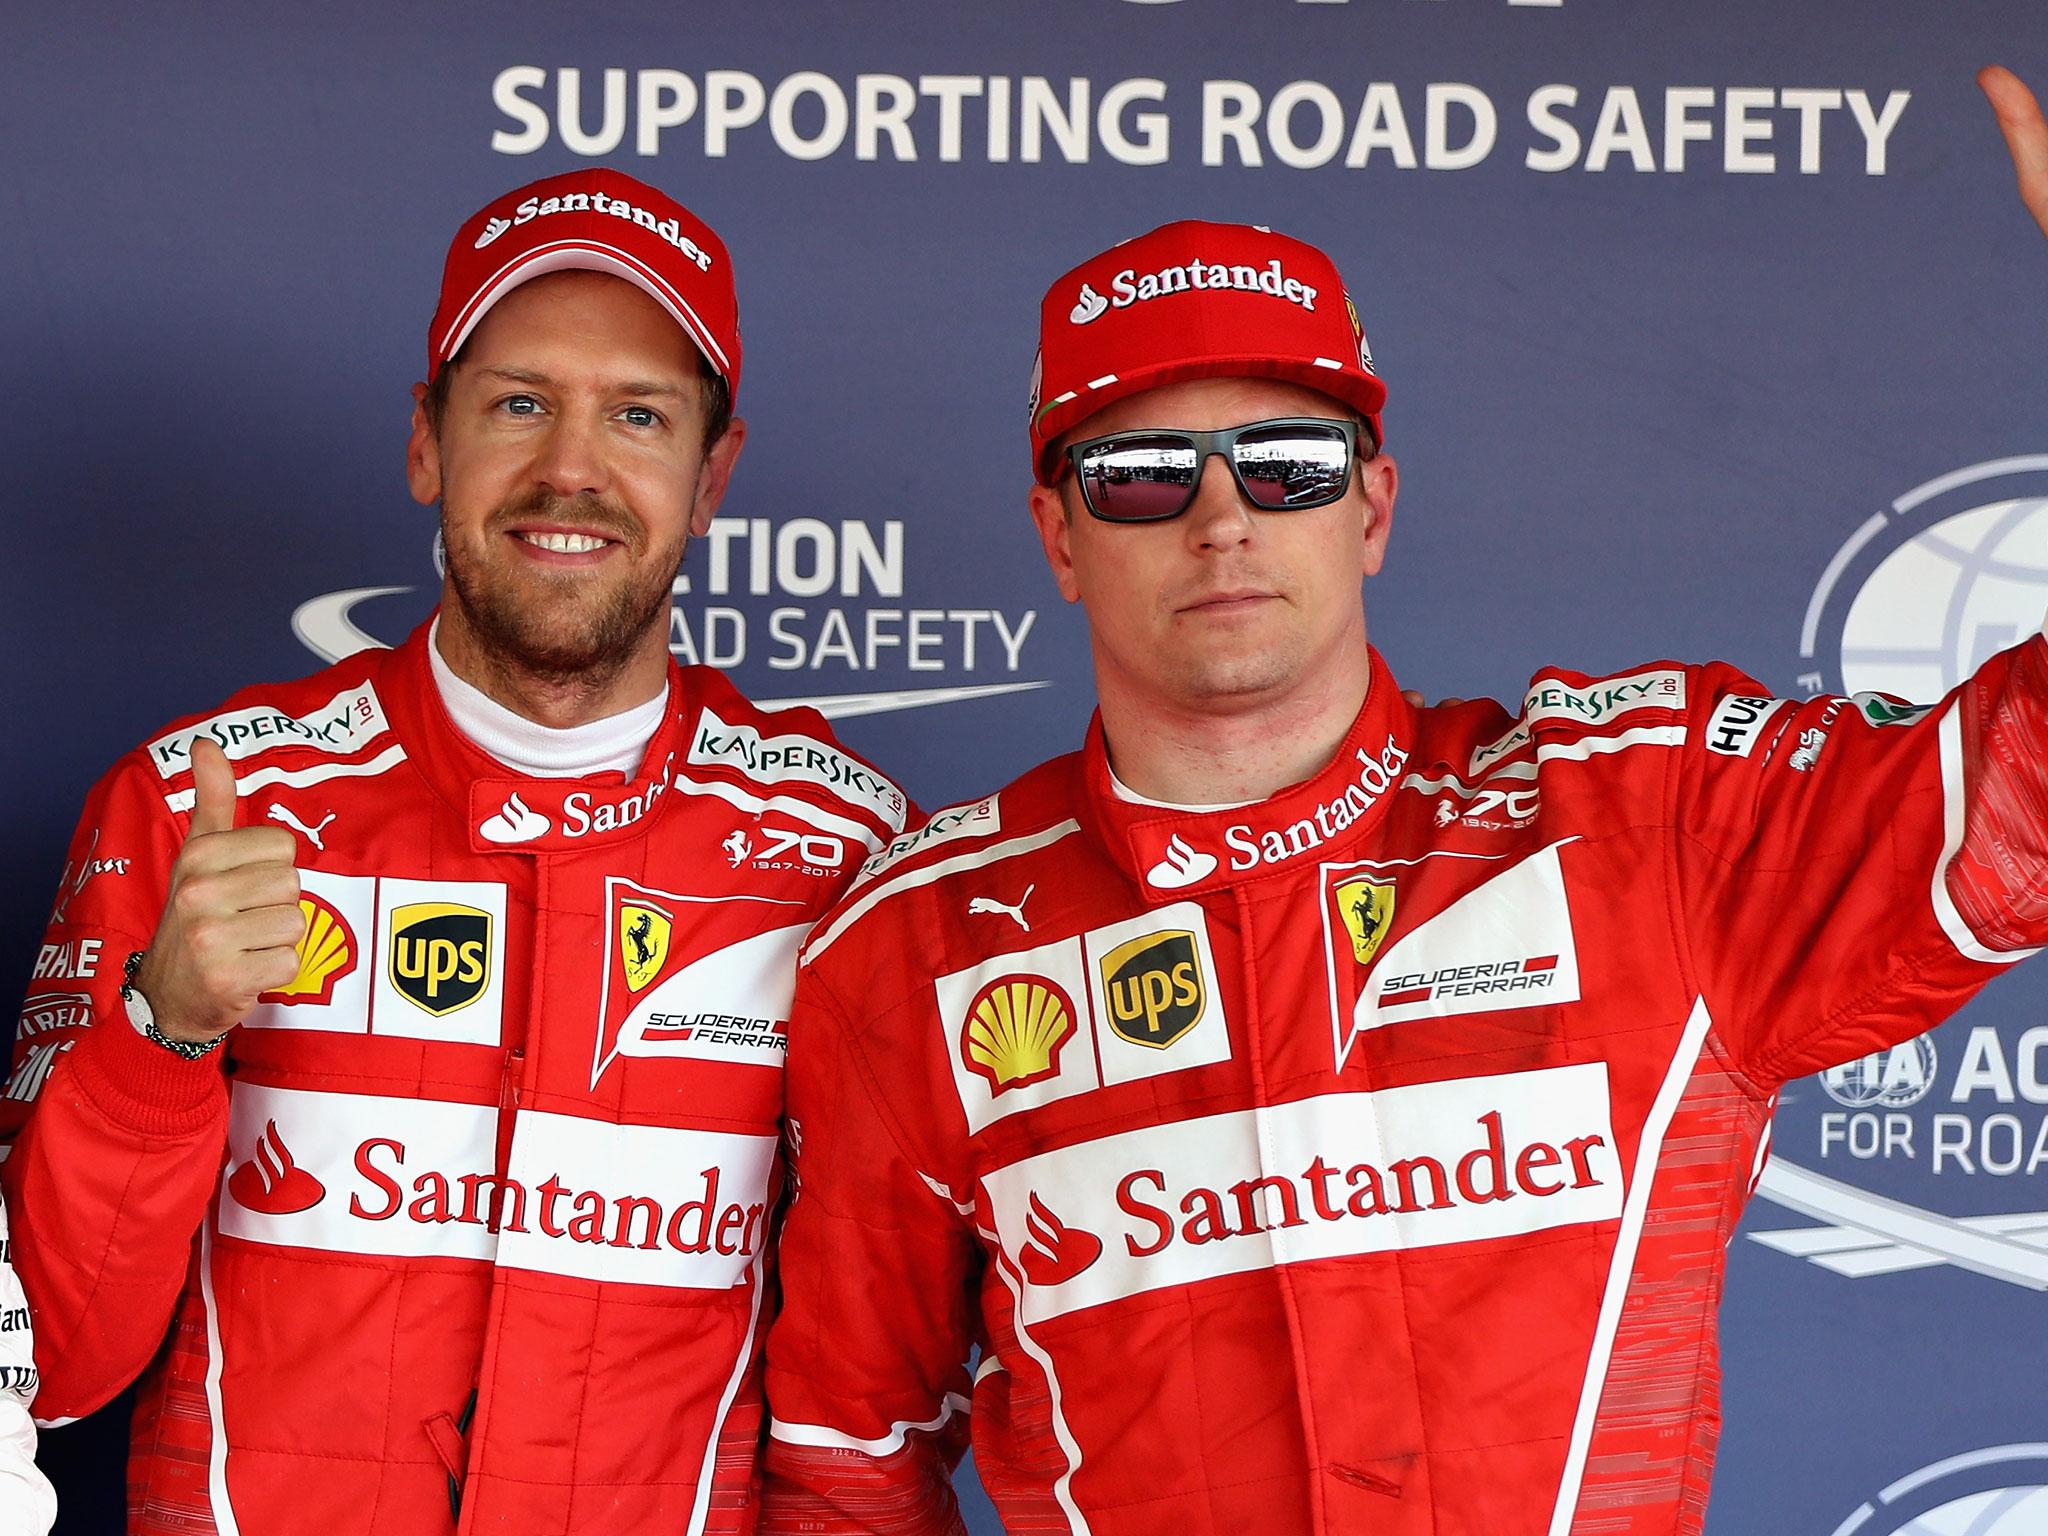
[[595, 219], [514, 1135], [1380, 1175]]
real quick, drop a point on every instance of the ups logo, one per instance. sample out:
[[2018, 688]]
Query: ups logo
[[440, 954], [1154, 988]]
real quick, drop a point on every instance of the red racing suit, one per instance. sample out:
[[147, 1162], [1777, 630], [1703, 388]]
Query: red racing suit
[[476, 1208], [1360, 1160]]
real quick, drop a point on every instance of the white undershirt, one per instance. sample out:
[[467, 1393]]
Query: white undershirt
[[1125, 792], [614, 744]]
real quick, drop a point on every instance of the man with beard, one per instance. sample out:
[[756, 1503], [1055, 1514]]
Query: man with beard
[[405, 1052]]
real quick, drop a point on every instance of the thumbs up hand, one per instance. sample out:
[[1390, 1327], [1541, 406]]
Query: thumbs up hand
[[231, 924]]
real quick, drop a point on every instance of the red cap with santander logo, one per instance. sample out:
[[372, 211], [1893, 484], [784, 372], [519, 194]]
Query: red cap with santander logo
[[1195, 300], [596, 220]]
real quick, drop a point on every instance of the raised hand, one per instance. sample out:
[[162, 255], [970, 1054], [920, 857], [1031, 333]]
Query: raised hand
[[231, 923], [2026, 136]]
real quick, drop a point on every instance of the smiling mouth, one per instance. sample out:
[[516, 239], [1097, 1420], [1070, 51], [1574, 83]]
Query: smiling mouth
[[563, 543]]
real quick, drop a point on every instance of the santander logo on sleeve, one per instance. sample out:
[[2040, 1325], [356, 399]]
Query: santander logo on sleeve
[[1337, 1175]]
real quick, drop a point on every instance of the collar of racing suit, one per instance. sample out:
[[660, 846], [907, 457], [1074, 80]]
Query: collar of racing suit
[[1171, 853], [508, 810]]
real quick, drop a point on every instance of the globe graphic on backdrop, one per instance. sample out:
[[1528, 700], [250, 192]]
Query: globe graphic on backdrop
[[1954, 594], [1998, 1512]]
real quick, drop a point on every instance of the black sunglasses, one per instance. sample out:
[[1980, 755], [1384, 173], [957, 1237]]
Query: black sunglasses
[[1287, 464]]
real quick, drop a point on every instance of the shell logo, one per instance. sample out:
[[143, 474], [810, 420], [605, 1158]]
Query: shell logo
[[327, 952], [1014, 1030]]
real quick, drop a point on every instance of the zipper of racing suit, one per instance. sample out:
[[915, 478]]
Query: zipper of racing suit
[[508, 1107], [1261, 1102], [510, 1080]]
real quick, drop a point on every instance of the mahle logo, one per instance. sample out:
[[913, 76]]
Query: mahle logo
[[440, 954], [1154, 988]]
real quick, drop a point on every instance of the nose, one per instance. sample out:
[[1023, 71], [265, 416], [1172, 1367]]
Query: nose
[[569, 459], [1218, 517]]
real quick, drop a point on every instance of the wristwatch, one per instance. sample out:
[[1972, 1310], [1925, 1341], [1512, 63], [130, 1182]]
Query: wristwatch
[[144, 1018]]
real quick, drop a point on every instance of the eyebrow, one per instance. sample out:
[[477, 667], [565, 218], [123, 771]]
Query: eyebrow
[[640, 388]]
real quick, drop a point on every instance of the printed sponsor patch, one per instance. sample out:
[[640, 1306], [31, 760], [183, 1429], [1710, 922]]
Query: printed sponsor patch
[[978, 818], [1152, 985], [1595, 704], [1506, 944], [696, 976], [413, 1178], [785, 756], [1341, 1174], [1131, 1000], [343, 725], [1737, 724], [44, 1013], [440, 960], [332, 988]]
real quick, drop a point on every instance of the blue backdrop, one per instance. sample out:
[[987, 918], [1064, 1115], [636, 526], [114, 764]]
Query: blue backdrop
[[1710, 331]]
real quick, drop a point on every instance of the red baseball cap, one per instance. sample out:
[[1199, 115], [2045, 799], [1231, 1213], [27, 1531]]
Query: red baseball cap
[[1195, 300], [596, 220]]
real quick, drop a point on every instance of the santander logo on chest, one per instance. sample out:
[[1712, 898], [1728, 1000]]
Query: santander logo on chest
[[551, 816], [1187, 853]]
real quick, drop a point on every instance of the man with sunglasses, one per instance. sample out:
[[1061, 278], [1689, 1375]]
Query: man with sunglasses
[[1327, 1115]]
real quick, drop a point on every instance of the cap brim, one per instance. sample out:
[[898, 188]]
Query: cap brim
[[585, 256]]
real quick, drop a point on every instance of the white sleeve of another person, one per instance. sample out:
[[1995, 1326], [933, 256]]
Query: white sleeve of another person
[[28, 1504]]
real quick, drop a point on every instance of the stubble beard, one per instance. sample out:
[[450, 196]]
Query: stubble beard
[[560, 628]]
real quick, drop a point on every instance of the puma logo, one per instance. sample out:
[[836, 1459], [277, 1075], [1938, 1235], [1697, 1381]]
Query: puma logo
[[989, 904], [283, 814]]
